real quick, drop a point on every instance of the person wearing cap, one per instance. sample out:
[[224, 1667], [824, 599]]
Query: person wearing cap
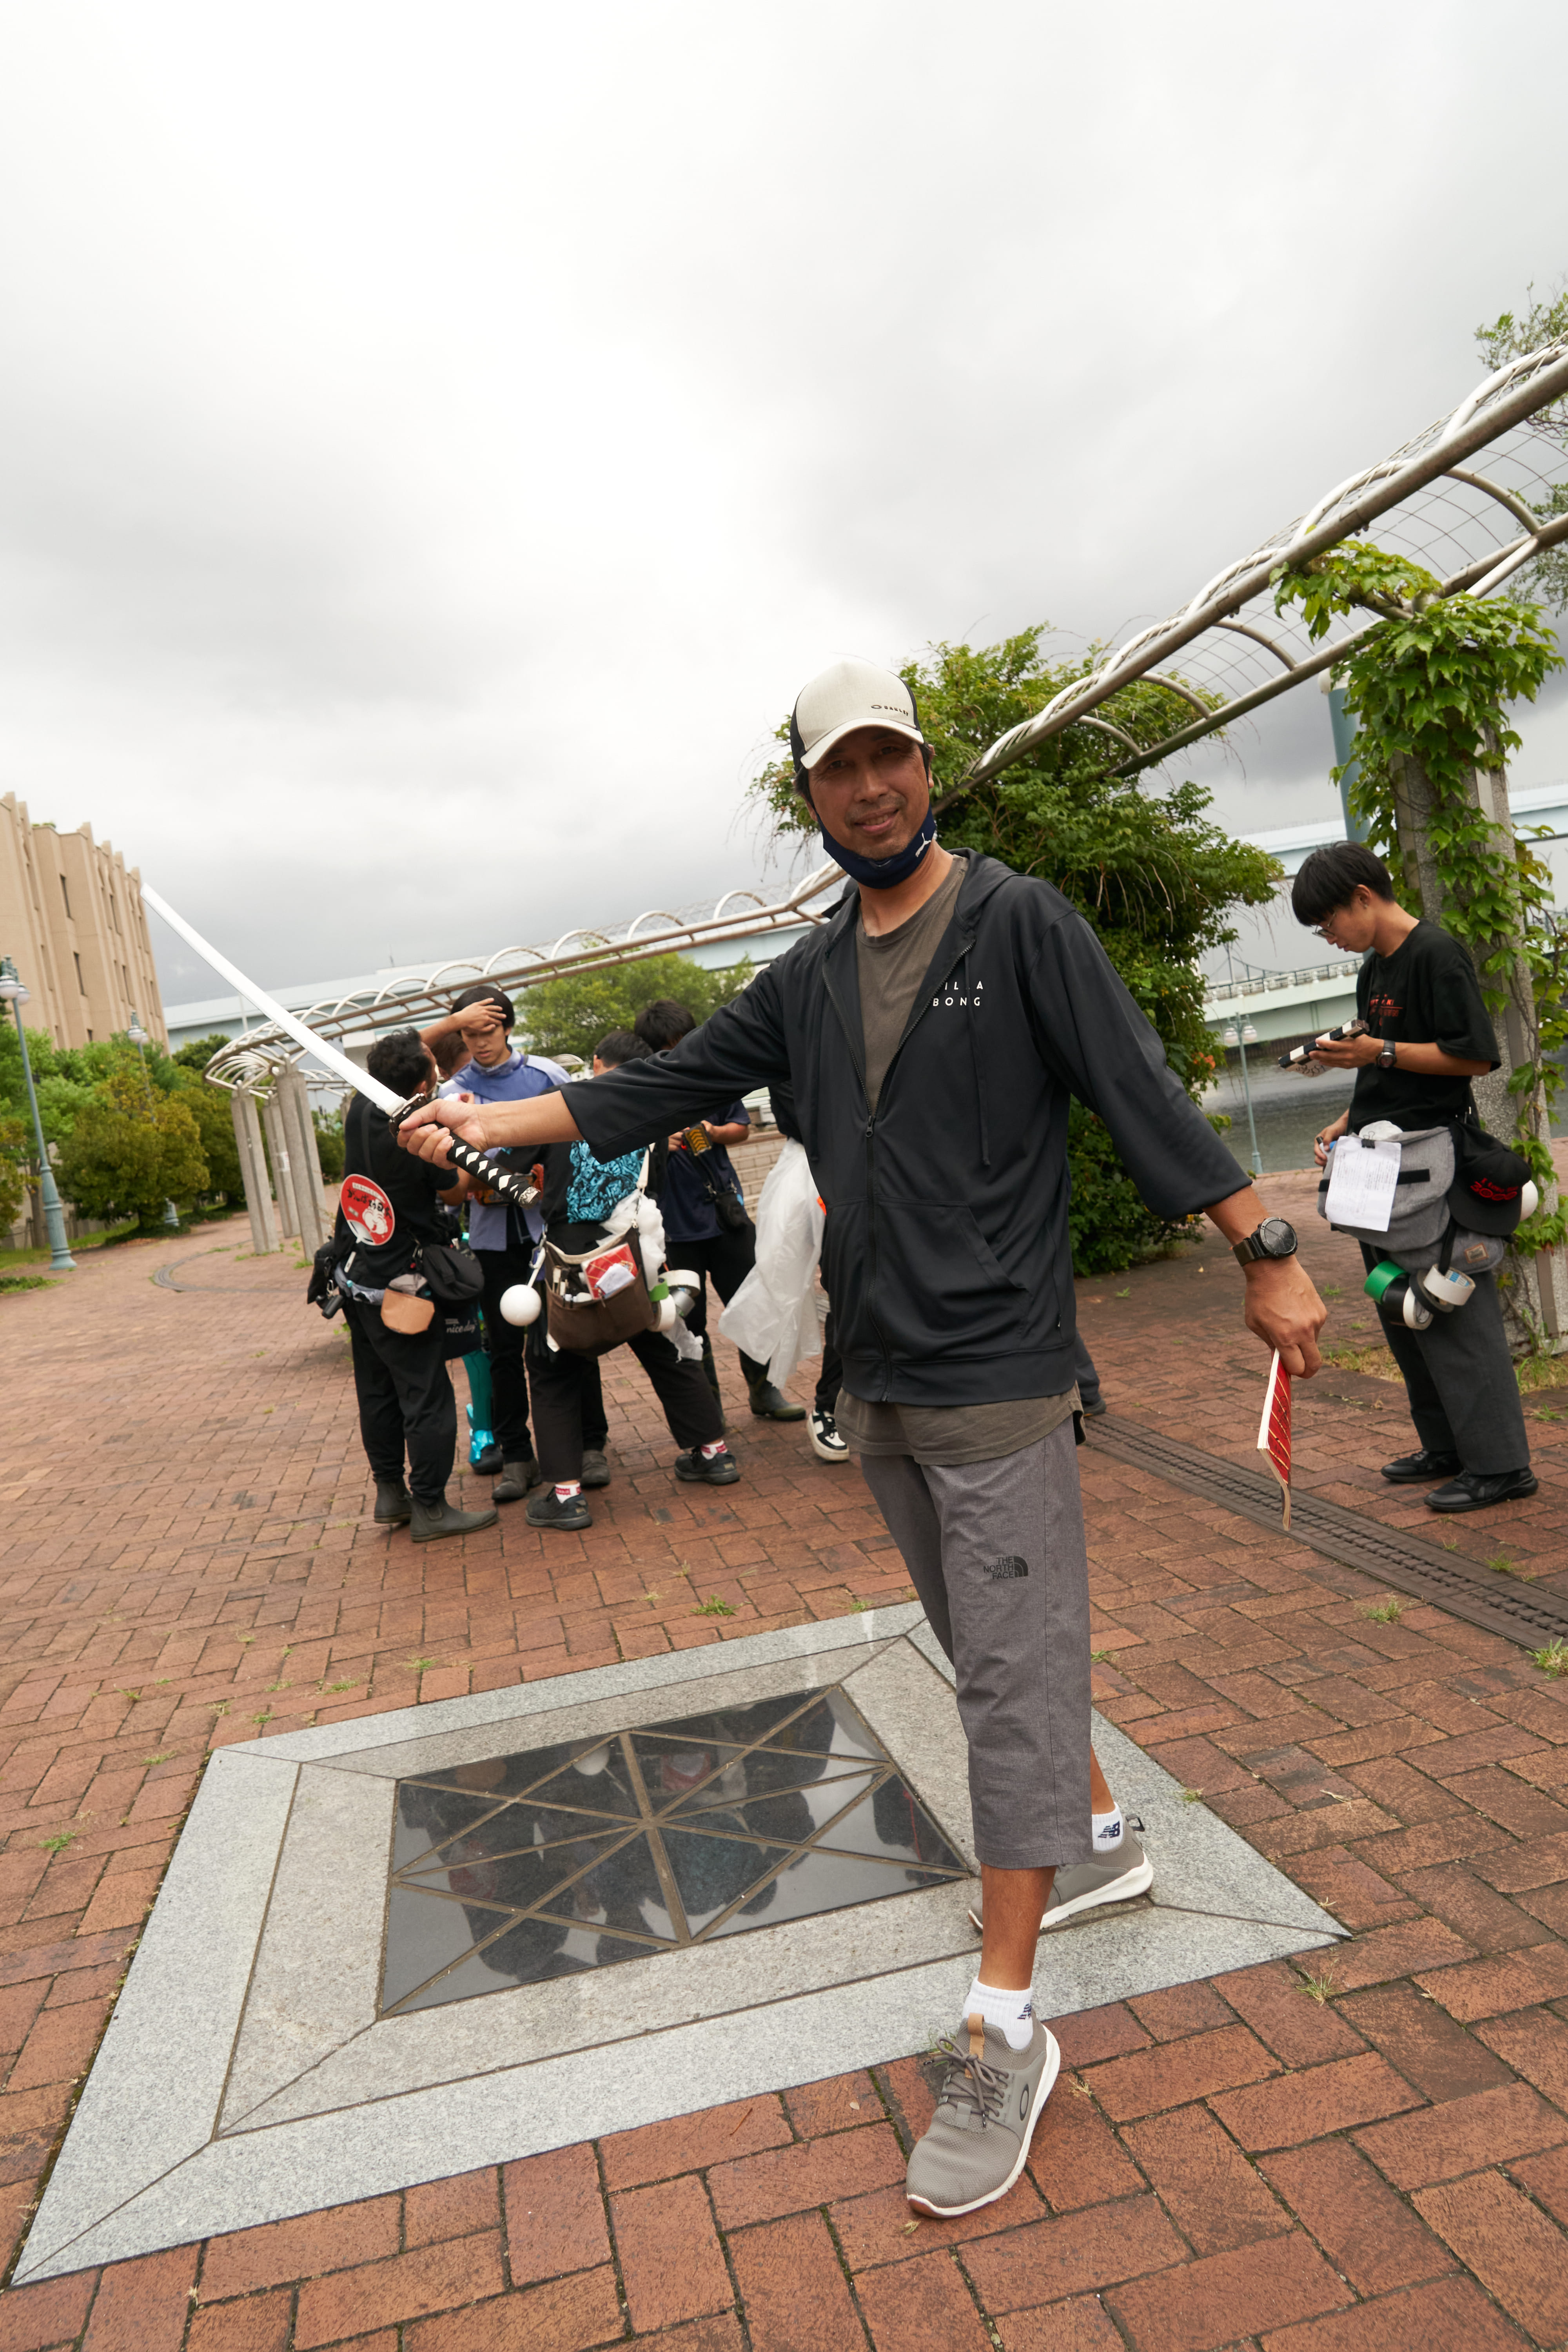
[[503, 1236], [932, 1033], [1427, 1034]]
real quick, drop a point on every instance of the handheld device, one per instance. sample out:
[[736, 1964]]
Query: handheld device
[[1300, 1053]]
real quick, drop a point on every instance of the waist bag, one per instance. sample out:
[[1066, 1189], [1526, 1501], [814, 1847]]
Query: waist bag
[[579, 1321], [1457, 1199]]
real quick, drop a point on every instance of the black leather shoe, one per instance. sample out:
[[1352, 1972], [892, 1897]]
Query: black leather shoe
[[570, 1514], [708, 1470], [432, 1521], [488, 1464], [516, 1479], [770, 1404], [1473, 1490], [393, 1506], [595, 1469], [1409, 1469]]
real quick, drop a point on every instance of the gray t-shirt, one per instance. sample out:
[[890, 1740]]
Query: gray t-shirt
[[890, 970]]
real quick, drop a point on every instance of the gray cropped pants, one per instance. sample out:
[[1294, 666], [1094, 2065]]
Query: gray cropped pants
[[995, 1551]]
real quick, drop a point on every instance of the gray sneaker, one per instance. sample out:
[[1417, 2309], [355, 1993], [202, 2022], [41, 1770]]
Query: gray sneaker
[[990, 2100], [1084, 1886]]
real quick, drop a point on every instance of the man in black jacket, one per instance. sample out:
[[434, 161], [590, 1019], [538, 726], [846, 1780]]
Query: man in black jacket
[[932, 1034]]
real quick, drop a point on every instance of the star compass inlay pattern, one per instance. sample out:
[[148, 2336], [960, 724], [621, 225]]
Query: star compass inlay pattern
[[524, 1867]]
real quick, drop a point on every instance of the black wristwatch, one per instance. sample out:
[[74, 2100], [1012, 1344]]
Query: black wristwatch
[[1273, 1238], [1388, 1058]]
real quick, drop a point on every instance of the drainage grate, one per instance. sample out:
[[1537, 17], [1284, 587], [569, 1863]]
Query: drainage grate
[[1404, 1561]]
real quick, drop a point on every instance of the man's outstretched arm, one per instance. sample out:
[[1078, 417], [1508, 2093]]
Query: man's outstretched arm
[[543, 1119]]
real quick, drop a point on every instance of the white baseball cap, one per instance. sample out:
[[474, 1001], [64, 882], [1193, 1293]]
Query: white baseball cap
[[848, 695]]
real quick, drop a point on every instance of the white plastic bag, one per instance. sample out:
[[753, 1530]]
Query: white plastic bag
[[776, 1314]]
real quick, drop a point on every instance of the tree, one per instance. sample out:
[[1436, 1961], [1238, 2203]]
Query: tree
[[1430, 692], [129, 1150], [14, 1155], [571, 1014], [1149, 872], [329, 1145], [198, 1052], [210, 1107]]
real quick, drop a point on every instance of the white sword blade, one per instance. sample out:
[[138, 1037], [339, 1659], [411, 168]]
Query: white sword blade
[[382, 1097]]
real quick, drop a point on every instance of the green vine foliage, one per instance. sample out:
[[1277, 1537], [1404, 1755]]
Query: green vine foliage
[[1151, 872], [1433, 685], [1510, 337]]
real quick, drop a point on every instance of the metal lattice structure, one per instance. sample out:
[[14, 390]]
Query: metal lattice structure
[[1473, 526], [249, 1063]]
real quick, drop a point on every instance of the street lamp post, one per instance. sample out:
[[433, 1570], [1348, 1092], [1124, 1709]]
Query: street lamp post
[[1242, 1038], [140, 1037], [13, 992]]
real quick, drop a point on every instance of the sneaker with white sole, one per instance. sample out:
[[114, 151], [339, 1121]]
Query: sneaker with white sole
[[825, 1441], [991, 2097], [1084, 1886]]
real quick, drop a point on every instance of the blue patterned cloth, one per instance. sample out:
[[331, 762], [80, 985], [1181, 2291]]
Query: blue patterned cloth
[[596, 1185]]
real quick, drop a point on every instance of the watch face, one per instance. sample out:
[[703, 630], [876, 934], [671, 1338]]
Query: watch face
[[1277, 1237]]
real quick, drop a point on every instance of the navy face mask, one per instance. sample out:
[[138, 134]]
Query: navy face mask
[[880, 873]]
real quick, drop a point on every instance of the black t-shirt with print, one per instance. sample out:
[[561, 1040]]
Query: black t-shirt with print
[[1426, 993], [389, 1199]]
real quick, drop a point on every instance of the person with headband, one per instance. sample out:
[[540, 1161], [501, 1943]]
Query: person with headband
[[503, 1236], [932, 1033]]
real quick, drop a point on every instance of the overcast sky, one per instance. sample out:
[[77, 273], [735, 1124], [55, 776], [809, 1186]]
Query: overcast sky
[[436, 443]]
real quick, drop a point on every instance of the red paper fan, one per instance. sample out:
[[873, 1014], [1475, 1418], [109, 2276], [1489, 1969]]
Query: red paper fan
[[1273, 1429]]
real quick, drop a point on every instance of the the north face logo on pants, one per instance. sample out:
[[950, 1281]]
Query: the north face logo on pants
[[998, 1569]]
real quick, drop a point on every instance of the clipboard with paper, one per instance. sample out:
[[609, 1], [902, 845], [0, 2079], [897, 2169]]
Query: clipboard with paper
[[1364, 1182]]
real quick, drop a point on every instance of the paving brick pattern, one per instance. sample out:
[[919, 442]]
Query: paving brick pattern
[[1367, 2151]]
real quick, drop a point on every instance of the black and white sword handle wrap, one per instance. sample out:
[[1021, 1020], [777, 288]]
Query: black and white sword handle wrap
[[477, 1164]]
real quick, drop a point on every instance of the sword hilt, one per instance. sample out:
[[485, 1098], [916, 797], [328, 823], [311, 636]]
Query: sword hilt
[[477, 1164]]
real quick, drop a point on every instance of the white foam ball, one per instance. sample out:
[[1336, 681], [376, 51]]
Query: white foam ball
[[521, 1304]]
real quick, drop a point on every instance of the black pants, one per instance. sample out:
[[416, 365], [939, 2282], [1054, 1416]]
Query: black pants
[[726, 1259], [509, 1382], [1459, 1379], [831, 1377], [406, 1399], [561, 1381]]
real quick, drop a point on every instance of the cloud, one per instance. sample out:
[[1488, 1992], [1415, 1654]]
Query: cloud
[[433, 446]]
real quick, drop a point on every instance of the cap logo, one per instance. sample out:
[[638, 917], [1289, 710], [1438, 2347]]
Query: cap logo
[[1485, 1190]]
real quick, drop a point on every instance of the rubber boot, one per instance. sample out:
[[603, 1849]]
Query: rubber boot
[[770, 1404], [392, 1506], [434, 1521], [515, 1480]]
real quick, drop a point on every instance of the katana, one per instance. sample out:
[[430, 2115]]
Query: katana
[[473, 1163]]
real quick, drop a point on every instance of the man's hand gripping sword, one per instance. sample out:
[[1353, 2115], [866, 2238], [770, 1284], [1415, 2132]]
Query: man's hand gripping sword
[[477, 1164]]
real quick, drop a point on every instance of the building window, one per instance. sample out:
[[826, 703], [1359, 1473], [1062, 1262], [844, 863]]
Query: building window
[[66, 894], [81, 984]]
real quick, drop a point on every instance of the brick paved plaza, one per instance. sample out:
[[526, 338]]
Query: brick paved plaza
[[1376, 2159]]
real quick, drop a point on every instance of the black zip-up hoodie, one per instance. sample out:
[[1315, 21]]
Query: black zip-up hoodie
[[946, 1253]]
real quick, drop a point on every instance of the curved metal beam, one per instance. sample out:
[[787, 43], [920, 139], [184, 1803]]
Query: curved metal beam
[[1506, 398], [1516, 506], [1246, 629]]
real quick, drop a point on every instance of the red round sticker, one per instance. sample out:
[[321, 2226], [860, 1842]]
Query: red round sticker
[[368, 1211]]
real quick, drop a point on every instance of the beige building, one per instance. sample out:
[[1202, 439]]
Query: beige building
[[72, 921]]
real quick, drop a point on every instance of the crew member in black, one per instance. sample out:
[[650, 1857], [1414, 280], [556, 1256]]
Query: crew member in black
[[1429, 1034], [387, 1206]]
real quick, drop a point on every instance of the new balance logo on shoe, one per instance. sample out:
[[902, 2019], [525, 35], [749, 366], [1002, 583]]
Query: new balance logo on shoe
[[998, 1570]]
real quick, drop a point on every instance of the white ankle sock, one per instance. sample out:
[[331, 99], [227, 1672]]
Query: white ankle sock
[[1107, 1829], [1011, 2013], [712, 1453], [567, 1489]]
